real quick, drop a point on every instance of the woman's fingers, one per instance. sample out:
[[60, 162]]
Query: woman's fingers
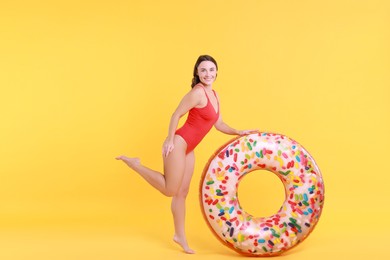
[[250, 131], [167, 149]]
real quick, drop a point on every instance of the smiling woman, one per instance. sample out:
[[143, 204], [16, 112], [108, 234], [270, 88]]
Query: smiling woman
[[202, 106], [205, 70], [84, 81]]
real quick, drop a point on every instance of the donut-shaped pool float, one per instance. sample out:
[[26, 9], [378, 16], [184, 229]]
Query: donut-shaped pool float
[[261, 236]]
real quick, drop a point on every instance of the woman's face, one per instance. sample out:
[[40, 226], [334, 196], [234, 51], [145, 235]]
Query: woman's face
[[207, 72]]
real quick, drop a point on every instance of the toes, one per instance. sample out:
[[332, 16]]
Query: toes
[[189, 251], [184, 245]]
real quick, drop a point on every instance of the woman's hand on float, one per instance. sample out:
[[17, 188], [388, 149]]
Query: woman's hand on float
[[167, 147], [247, 132]]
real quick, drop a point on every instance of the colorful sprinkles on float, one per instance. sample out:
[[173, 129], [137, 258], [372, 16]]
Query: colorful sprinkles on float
[[262, 236]]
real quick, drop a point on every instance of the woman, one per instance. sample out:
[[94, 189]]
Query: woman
[[202, 103]]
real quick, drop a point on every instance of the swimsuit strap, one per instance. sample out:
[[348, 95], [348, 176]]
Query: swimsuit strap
[[215, 95], [206, 92], [208, 99]]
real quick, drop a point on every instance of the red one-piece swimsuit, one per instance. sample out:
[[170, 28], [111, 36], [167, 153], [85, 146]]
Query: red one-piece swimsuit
[[198, 123]]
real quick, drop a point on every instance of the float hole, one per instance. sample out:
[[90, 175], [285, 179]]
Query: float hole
[[261, 193]]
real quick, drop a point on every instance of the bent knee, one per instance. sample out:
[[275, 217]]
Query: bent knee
[[182, 193], [173, 192], [170, 192]]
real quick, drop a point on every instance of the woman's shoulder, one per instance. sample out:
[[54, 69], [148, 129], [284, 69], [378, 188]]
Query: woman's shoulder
[[197, 90], [198, 86], [197, 93]]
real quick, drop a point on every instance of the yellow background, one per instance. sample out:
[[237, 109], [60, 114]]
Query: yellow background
[[84, 81]]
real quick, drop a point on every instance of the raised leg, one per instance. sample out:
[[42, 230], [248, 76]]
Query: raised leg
[[178, 205], [174, 165]]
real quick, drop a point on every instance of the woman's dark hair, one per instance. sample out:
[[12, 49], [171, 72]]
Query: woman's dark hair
[[195, 79]]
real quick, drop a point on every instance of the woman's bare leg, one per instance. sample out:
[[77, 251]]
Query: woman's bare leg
[[178, 205], [174, 165]]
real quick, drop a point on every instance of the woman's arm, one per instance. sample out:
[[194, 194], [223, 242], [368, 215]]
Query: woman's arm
[[221, 126], [190, 100], [224, 128]]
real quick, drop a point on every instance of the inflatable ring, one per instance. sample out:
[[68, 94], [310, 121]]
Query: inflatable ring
[[261, 236]]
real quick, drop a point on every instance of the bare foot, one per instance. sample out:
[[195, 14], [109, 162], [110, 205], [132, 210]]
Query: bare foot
[[131, 162], [183, 243]]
